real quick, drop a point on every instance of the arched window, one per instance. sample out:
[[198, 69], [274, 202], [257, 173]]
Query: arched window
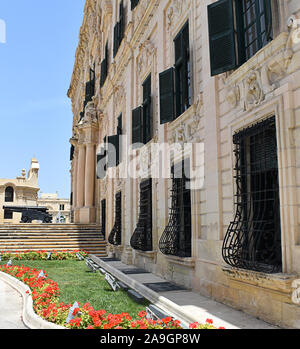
[[9, 194]]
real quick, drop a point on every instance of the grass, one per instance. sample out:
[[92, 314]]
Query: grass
[[77, 283]]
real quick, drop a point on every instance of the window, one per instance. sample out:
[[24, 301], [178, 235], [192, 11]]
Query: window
[[175, 83], [119, 28], [9, 194], [176, 238], [119, 144], [102, 160], [142, 236], [90, 87], [89, 92], [255, 22], [104, 67], [134, 4], [72, 149], [253, 239], [61, 207], [115, 236], [237, 30], [8, 214], [114, 146], [142, 117], [103, 217]]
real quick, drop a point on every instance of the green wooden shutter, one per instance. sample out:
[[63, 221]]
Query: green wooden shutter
[[119, 133], [72, 152], [166, 88], [103, 72], [147, 111], [137, 134], [112, 151], [100, 164], [116, 31], [134, 4], [121, 23], [221, 37]]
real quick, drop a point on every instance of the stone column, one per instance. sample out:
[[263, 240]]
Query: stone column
[[88, 131], [80, 176], [90, 170]]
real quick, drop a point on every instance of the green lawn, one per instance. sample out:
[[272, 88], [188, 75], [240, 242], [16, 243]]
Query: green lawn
[[77, 283]]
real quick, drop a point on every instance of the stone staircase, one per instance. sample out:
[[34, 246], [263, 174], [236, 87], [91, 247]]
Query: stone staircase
[[22, 237]]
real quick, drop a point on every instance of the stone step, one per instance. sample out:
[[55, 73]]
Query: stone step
[[52, 236], [23, 237]]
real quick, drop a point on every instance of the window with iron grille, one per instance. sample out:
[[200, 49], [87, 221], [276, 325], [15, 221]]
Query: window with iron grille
[[175, 82], [9, 194], [103, 217], [115, 236], [142, 236], [176, 238], [253, 239], [142, 117], [237, 30]]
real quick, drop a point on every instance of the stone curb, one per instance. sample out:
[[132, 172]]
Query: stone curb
[[29, 317]]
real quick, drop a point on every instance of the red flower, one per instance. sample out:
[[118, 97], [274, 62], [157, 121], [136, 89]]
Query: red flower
[[76, 310], [194, 325], [209, 321], [142, 314]]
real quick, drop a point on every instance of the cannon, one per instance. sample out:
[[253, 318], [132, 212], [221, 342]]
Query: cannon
[[30, 213]]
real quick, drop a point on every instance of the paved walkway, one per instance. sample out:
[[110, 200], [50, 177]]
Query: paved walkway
[[10, 308], [193, 303]]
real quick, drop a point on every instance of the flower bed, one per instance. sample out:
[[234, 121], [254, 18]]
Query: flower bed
[[45, 296], [42, 255]]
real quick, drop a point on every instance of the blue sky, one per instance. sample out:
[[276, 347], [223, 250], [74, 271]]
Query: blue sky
[[36, 65]]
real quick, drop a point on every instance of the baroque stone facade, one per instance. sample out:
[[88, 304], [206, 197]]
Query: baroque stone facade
[[215, 109]]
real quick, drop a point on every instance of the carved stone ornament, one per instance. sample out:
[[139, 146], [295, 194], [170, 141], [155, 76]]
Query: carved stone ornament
[[263, 78], [90, 115], [253, 91], [145, 58], [175, 11]]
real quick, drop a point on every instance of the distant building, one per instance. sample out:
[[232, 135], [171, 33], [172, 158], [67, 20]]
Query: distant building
[[58, 208], [22, 191]]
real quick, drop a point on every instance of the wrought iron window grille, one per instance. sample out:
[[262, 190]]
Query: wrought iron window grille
[[115, 236], [253, 239], [176, 238], [142, 236]]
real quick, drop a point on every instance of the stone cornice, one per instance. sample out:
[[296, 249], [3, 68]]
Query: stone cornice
[[133, 35], [90, 8]]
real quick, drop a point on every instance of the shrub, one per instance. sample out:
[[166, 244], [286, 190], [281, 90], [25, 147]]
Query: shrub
[[31, 255]]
